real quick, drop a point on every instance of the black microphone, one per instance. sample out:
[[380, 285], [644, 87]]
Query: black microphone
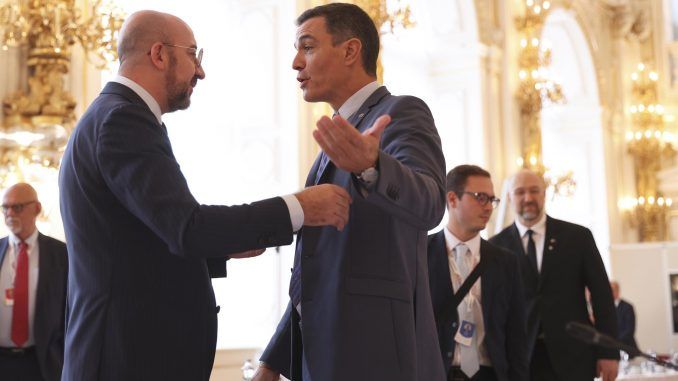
[[590, 335]]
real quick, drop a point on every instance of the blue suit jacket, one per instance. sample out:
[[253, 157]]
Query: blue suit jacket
[[365, 303], [140, 301], [571, 263], [503, 305], [50, 302]]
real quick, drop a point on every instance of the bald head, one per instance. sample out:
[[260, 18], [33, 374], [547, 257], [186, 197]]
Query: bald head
[[144, 28], [527, 195], [526, 176], [158, 52], [21, 209]]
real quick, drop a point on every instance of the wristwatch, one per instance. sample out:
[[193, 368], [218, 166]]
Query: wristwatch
[[369, 176]]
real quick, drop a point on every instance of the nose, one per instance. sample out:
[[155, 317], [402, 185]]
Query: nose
[[298, 61], [200, 72]]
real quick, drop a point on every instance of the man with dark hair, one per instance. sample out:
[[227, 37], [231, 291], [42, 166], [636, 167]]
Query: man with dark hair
[[480, 321], [559, 260], [360, 306], [140, 301], [33, 275]]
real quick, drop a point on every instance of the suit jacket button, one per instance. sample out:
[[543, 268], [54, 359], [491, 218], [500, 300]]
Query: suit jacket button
[[454, 325], [449, 354], [218, 309]]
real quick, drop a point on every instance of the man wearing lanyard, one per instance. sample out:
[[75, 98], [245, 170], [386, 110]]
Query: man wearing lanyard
[[483, 337], [33, 274]]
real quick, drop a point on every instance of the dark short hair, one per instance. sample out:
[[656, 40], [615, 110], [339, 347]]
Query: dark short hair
[[456, 178], [345, 21]]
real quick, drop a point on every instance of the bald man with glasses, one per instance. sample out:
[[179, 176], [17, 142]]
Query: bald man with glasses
[[475, 287], [33, 274], [141, 248]]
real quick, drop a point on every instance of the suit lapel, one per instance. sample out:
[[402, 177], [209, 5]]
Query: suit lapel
[[442, 291], [45, 272], [487, 280], [356, 120], [3, 249], [550, 241]]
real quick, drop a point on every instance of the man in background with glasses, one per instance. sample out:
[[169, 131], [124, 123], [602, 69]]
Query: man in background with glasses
[[483, 337], [140, 301], [559, 260], [33, 275]]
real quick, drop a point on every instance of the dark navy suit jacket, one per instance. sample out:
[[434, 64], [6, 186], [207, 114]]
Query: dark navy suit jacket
[[50, 302], [140, 300], [503, 306], [570, 264], [626, 323], [366, 307]]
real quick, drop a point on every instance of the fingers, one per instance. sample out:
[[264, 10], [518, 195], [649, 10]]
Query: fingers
[[378, 127], [346, 146], [325, 205], [335, 135]]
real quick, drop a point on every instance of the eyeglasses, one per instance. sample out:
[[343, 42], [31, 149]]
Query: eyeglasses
[[197, 53], [16, 208], [483, 198]]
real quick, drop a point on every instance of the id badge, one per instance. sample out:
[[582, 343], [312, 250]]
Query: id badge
[[9, 297], [465, 333]]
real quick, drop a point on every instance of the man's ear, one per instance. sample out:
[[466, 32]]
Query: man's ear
[[158, 55], [352, 51], [452, 200]]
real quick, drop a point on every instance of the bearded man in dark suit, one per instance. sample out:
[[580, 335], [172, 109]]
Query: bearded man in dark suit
[[559, 261]]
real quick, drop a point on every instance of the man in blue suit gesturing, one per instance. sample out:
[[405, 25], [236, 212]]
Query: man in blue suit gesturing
[[140, 301], [360, 306]]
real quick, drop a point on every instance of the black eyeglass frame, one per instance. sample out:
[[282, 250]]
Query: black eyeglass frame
[[16, 208], [484, 198]]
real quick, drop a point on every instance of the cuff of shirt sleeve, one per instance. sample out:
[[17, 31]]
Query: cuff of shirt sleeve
[[296, 212]]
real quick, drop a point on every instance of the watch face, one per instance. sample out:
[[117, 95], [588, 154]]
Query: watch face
[[369, 175]]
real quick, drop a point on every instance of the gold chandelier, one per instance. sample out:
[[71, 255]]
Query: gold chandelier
[[648, 141], [38, 119], [535, 88]]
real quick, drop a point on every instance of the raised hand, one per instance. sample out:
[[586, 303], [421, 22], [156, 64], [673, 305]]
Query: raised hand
[[346, 146], [325, 204]]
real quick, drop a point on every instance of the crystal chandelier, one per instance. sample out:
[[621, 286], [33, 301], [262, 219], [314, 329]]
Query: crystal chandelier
[[38, 119], [648, 141], [535, 89]]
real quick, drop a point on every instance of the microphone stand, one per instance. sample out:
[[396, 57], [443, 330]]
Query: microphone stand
[[590, 335]]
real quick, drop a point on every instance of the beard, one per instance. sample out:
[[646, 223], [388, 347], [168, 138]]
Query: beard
[[532, 213], [14, 225], [178, 94]]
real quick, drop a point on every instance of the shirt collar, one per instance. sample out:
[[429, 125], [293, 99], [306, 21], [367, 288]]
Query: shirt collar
[[30, 241], [451, 241], [539, 227], [356, 100], [141, 92]]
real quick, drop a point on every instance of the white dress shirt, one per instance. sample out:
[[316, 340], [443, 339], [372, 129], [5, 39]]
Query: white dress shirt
[[538, 236], [293, 205], [356, 100], [7, 275], [473, 298]]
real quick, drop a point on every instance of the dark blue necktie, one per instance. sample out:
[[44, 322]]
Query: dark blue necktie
[[295, 285]]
